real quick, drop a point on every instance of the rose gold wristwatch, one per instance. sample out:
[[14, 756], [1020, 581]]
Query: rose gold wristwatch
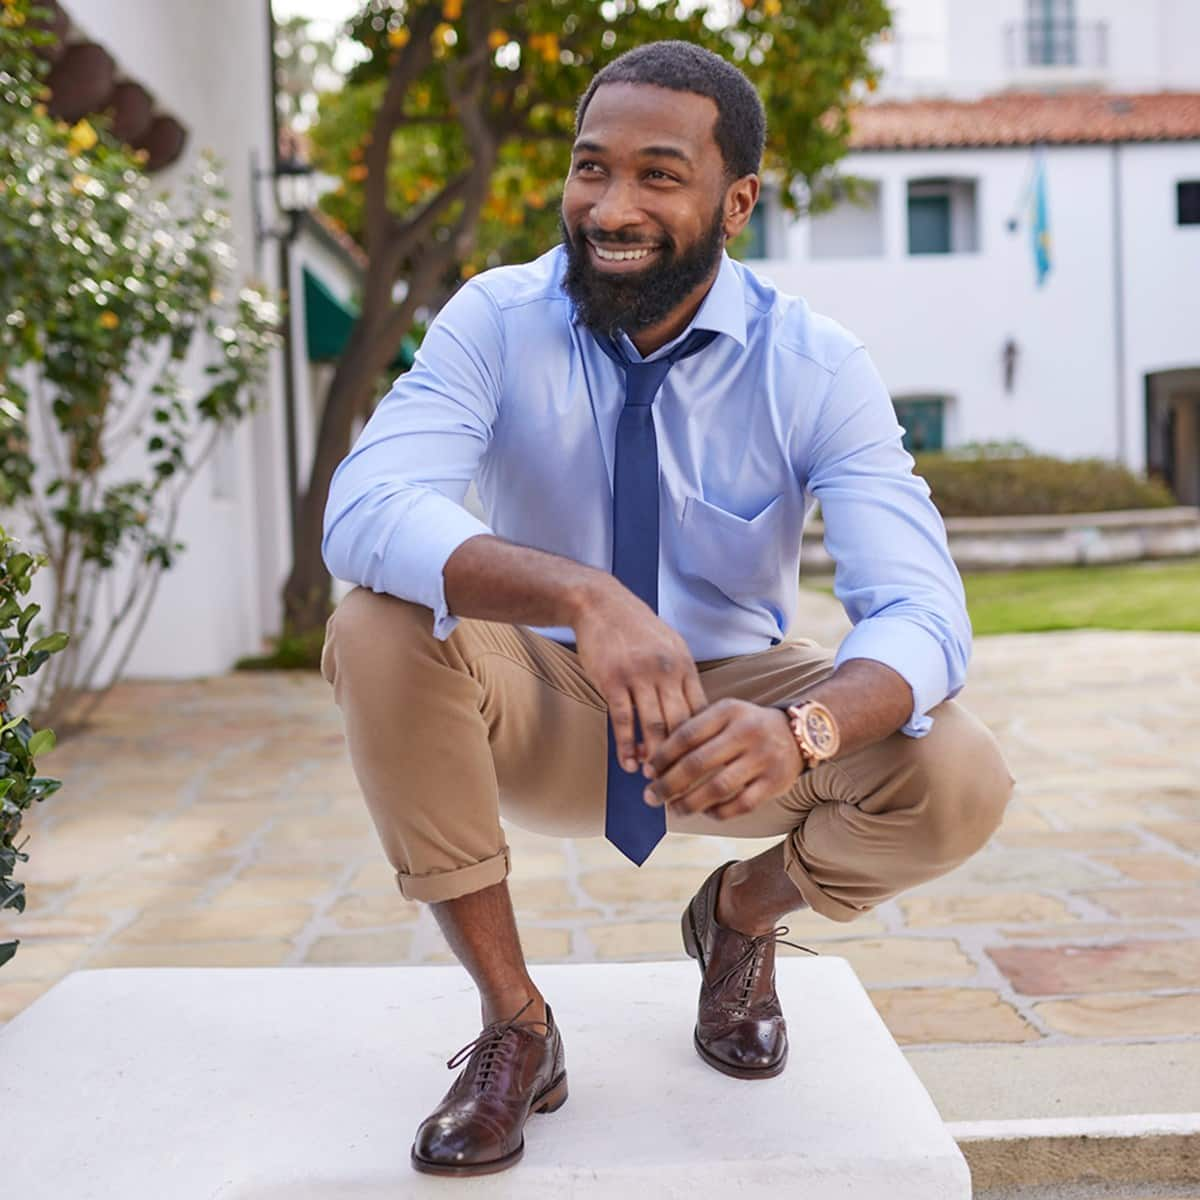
[[816, 732]]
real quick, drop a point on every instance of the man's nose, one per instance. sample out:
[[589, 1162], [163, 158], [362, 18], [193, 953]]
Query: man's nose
[[617, 207]]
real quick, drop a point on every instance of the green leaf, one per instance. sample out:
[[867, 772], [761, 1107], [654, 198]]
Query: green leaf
[[27, 616], [42, 742], [12, 895], [51, 644], [6, 786], [7, 950]]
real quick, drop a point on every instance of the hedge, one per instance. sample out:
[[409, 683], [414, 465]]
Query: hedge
[[983, 482]]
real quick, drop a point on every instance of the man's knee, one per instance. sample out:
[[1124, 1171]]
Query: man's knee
[[368, 627], [967, 785]]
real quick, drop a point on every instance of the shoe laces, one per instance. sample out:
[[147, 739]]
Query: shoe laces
[[751, 961], [491, 1046]]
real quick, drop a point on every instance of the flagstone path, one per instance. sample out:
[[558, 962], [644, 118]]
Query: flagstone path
[[217, 822]]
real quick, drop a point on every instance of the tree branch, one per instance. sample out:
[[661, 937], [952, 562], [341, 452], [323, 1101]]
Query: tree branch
[[414, 59]]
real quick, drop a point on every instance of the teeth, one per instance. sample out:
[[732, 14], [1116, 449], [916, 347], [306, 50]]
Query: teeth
[[620, 255]]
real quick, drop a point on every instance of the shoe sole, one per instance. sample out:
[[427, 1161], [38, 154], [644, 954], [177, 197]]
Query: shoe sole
[[551, 1100], [691, 945]]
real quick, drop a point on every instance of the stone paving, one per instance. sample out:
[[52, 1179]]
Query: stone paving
[[217, 822]]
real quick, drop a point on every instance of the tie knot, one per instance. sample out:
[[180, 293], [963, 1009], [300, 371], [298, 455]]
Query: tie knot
[[643, 379]]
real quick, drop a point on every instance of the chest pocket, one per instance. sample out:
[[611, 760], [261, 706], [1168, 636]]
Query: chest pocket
[[739, 555]]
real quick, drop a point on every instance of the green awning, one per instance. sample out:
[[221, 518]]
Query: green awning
[[328, 322]]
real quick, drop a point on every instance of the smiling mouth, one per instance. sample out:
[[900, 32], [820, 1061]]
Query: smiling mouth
[[634, 254]]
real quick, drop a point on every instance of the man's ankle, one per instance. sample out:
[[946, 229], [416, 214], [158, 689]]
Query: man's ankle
[[732, 911], [504, 1006]]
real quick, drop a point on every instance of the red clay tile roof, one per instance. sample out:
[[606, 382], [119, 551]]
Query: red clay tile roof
[[1024, 119]]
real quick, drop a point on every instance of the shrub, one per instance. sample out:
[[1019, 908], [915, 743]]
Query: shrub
[[114, 301], [1001, 481]]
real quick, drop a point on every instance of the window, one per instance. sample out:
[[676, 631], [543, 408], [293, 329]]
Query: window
[[942, 217], [1051, 33], [852, 228], [1187, 201], [924, 421], [929, 224]]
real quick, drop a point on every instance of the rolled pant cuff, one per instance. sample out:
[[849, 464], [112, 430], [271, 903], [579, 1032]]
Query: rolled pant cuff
[[814, 897], [449, 885]]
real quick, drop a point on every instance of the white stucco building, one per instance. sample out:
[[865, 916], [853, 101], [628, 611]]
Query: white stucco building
[[1103, 358]]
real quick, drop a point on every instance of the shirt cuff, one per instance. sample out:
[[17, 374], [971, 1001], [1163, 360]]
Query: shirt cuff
[[912, 652], [429, 543]]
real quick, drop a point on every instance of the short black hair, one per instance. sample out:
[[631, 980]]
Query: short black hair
[[741, 127]]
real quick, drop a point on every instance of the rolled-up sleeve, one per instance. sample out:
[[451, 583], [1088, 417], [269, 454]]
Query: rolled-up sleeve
[[894, 574], [394, 513]]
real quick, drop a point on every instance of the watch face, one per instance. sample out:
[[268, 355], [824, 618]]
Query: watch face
[[819, 730]]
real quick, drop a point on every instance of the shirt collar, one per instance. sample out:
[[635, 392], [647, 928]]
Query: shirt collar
[[723, 308]]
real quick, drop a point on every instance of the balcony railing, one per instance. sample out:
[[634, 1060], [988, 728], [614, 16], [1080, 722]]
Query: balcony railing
[[1031, 45]]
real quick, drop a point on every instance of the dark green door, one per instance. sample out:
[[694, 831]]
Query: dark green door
[[929, 224], [924, 423]]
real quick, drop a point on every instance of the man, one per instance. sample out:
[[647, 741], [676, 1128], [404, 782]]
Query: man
[[647, 422]]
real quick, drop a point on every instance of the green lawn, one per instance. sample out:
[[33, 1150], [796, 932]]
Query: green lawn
[[1153, 595]]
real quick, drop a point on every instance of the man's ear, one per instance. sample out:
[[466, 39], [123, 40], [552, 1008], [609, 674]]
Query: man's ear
[[740, 199]]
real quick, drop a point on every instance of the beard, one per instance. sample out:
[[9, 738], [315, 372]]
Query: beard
[[636, 300]]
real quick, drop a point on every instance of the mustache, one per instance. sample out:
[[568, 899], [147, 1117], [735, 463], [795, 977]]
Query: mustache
[[603, 239]]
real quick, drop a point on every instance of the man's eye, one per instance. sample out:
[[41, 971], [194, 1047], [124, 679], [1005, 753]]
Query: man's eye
[[662, 175], [587, 162]]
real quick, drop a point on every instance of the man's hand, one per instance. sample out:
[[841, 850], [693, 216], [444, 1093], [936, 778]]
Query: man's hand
[[640, 665], [725, 761]]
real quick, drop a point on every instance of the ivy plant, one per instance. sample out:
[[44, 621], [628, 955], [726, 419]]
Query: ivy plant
[[21, 745]]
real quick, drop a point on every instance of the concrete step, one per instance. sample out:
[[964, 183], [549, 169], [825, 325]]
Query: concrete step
[[1052, 1116], [307, 1084]]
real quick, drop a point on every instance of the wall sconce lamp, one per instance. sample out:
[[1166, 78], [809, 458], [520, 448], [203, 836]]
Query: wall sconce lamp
[[294, 187]]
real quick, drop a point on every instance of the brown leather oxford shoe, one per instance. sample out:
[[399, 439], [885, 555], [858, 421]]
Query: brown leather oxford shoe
[[512, 1069], [740, 1030]]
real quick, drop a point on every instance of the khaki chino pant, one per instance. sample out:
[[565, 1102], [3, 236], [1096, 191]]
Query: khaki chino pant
[[447, 736]]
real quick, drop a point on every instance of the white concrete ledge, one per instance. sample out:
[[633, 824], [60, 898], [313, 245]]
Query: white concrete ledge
[[1069, 539], [307, 1084]]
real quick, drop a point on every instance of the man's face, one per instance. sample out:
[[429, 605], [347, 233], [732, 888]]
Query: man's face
[[647, 181]]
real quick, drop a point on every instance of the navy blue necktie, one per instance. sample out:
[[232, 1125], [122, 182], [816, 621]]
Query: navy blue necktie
[[632, 825]]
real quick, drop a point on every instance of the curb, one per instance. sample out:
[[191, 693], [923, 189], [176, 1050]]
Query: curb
[[1142, 1149]]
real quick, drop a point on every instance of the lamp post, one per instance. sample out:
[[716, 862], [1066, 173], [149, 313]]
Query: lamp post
[[294, 193]]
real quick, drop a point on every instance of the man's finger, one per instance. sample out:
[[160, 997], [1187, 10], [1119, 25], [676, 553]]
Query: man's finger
[[675, 707], [693, 768], [719, 788], [693, 689], [620, 713], [750, 797], [650, 717], [695, 731]]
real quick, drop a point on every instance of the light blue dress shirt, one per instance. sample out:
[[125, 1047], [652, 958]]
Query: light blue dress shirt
[[784, 409]]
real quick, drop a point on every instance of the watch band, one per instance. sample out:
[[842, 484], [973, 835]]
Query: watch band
[[815, 731]]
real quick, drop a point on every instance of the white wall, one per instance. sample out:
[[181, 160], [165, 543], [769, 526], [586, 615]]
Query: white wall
[[1179, 39], [1162, 272], [960, 47], [207, 64], [937, 324]]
